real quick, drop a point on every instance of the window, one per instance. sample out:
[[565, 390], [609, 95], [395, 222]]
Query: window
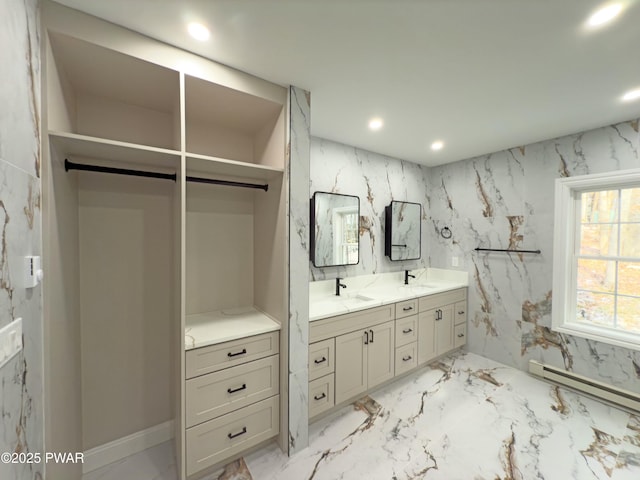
[[596, 282]]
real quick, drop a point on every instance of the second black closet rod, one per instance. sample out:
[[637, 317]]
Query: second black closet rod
[[69, 165]]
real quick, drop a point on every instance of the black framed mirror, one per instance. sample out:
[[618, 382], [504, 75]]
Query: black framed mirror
[[403, 231], [335, 229]]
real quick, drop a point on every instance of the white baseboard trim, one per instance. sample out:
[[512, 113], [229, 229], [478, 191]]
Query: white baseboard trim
[[123, 447]]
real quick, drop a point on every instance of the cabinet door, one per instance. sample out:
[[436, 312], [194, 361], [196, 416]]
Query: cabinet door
[[381, 354], [444, 330], [426, 336], [351, 365]]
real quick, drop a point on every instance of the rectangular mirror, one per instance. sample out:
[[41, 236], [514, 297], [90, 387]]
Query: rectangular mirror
[[402, 233], [335, 232]]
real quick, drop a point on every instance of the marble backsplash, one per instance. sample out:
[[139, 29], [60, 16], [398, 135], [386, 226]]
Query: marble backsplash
[[21, 379], [377, 180], [506, 200]]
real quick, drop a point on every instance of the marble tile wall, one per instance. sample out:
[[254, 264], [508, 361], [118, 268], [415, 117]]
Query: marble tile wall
[[506, 200], [299, 138], [377, 180], [21, 380]]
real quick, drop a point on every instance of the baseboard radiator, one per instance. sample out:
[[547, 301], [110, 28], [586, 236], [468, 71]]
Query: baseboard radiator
[[584, 384]]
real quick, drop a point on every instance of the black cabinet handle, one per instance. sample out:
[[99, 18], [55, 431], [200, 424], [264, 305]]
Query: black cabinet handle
[[371, 335], [407, 330], [318, 362], [460, 335], [244, 351], [460, 312], [239, 389], [319, 397], [366, 337], [407, 309], [234, 435], [407, 358]]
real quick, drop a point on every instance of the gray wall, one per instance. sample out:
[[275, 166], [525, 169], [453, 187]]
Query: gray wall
[[21, 380]]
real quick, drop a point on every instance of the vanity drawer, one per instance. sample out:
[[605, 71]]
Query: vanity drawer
[[406, 330], [321, 358], [406, 358], [349, 322], [216, 440], [228, 354], [209, 396], [460, 312], [404, 309], [460, 335], [321, 396], [438, 300]]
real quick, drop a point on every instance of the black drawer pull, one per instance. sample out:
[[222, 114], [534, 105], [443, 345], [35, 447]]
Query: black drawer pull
[[239, 389], [318, 362], [407, 330], [407, 309], [244, 351], [407, 358], [234, 435], [460, 335], [319, 397], [460, 312]]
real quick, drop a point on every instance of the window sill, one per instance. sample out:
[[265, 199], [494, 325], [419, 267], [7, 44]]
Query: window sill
[[601, 334]]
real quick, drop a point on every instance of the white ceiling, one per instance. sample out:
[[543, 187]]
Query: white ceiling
[[480, 75]]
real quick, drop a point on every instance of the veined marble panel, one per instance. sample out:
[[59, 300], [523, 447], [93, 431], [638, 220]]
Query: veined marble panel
[[21, 379], [299, 137]]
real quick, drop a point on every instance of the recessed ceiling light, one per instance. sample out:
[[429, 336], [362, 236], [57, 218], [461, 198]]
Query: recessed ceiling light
[[631, 95], [604, 15], [198, 31], [375, 123], [437, 145]]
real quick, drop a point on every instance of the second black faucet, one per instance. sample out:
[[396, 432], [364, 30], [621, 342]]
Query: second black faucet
[[406, 277], [339, 285]]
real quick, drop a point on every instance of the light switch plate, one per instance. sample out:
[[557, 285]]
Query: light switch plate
[[10, 341]]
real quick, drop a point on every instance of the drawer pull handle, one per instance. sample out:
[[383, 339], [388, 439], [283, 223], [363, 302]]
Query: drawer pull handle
[[243, 352], [407, 330], [239, 389], [460, 312], [407, 309], [371, 336], [319, 397], [318, 362], [407, 358], [234, 435], [460, 335]]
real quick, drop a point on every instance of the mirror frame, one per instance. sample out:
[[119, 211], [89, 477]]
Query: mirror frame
[[312, 230], [388, 231]]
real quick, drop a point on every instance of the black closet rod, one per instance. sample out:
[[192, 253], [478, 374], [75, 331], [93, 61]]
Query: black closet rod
[[503, 250], [69, 165]]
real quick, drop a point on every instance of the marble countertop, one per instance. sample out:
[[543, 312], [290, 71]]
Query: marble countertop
[[209, 328], [370, 291]]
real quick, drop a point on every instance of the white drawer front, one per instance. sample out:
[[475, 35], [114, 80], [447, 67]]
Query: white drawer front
[[216, 440], [218, 393], [404, 309], [460, 335], [406, 358], [406, 330], [321, 395], [228, 354], [321, 358]]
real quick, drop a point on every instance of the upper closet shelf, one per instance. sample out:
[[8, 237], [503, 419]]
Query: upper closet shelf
[[73, 145], [231, 168]]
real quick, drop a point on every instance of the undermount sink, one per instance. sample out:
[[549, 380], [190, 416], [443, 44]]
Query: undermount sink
[[360, 298]]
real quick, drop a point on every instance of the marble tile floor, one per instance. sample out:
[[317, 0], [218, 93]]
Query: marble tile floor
[[464, 417]]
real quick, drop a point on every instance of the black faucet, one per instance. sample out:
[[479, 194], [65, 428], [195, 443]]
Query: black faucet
[[406, 277], [338, 285]]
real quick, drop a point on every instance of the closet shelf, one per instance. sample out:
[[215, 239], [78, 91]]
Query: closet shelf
[[221, 166], [220, 326]]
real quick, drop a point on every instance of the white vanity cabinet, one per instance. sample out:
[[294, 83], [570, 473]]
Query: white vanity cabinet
[[182, 213]]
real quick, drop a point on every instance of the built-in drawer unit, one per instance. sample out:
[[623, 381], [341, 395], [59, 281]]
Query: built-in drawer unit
[[211, 442], [218, 393], [406, 308], [321, 358], [437, 300], [459, 335], [406, 358], [224, 355], [406, 330], [321, 395]]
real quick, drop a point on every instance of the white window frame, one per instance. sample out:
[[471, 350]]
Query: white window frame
[[567, 191]]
